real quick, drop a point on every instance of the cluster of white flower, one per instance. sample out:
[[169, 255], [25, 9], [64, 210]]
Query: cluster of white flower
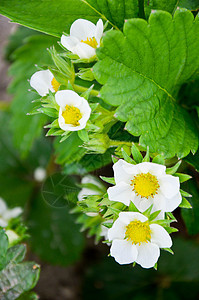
[[74, 110], [134, 238]]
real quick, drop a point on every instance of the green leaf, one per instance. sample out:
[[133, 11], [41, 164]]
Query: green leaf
[[116, 11], [189, 4], [173, 169], [191, 216], [132, 207], [183, 177], [15, 277], [3, 248], [56, 17], [69, 150], [146, 86], [159, 159], [147, 212], [52, 17], [126, 157], [89, 163], [33, 51], [83, 135], [28, 296], [185, 203], [18, 278], [185, 194], [167, 5], [154, 215], [110, 180], [147, 156], [136, 154], [16, 254], [168, 250]]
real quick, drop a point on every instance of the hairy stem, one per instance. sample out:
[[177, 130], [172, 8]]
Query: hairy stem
[[81, 89]]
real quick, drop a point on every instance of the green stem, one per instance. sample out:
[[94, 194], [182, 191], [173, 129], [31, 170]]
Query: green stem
[[119, 143], [141, 9], [81, 89]]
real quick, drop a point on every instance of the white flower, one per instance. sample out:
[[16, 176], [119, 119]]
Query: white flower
[[135, 240], [74, 110], [12, 236], [145, 184], [89, 192], [7, 214], [43, 82], [39, 174], [84, 38]]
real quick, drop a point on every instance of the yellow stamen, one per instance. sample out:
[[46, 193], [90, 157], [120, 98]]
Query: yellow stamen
[[145, 185], [138, 232], [72, 115], [55, 84], [91, 42]]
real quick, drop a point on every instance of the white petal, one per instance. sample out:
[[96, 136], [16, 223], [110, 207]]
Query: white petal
[[12, 213], [86, 192], [99, 31], [154, 169], [3, 223], [69, 42], [120, 173], [169, 185], [104, 232], [41, 82], [117, 231], [160, 236], [173, 203], [12, 236], [123, 251], [3, 206], [68, 97], [121, 192], [85, 111], [145, 204], [126, 217], [84, 51], [81, 29], [148, 254], [161, 216], [92, 214]]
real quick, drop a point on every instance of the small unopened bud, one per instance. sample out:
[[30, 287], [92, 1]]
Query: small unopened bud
[[39, 174]]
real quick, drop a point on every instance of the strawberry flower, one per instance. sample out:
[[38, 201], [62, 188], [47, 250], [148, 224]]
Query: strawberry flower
[[134, 239], [84, 38], [43, 82], [145, 184], [74, 110]]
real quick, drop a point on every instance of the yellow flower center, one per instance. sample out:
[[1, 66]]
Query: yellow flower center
[[91, 42], [72, 115], [138, 232], [145, 185], [55, 84]]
